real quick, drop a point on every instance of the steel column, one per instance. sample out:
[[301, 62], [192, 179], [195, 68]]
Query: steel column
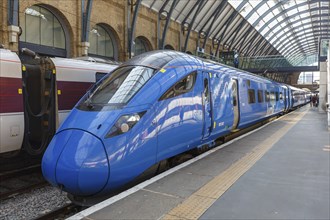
[[13, 8], [215, 15], [200, 3], [169, 14], [86, 13], [131, 31]]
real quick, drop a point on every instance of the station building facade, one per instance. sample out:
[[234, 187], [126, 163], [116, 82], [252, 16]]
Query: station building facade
[[56, 28]]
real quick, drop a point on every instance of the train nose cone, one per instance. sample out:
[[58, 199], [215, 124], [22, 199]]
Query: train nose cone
[[81, 167]]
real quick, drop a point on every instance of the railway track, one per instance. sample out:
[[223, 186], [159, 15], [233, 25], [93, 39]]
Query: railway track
[[61, 213], [19, 181]]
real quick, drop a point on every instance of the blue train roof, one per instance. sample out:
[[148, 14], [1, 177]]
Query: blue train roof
[[155, 59]]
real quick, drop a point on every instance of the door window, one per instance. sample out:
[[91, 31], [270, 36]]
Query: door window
[[183, 86]]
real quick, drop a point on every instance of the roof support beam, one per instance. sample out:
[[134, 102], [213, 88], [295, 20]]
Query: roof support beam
[[288, 47], [210, 7], [168, 19], [266, 49], [277, 33], [199, 4], [254, 37], [283, 38], [191, 11], [215, 15], [226, 24], [131, 29], [13, 9], [85, 23], [239, 27], [243, 38], [152, 4], [259, 47], [289, 17]]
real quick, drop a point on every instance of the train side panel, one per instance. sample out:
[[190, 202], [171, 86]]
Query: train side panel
[[222, 89], [11, 102]]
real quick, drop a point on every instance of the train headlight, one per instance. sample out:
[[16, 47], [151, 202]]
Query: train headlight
[[124, 124]]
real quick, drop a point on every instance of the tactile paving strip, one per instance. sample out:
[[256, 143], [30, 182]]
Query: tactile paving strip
[[201, 200]]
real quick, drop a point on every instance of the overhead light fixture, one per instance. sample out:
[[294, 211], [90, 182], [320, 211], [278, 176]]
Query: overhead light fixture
[[94, 31], [202, 34], [163, 15], [32, 12], [185, 26]]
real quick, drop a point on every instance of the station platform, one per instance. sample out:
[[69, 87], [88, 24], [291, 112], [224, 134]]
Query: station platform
[[279, 171]]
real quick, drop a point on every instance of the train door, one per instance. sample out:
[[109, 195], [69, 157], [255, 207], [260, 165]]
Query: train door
[[179, 116], [207, 106], [285, 99], [234, 95], [39, 105]]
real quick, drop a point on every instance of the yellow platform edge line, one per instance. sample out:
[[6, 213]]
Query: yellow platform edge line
[[195, 205]]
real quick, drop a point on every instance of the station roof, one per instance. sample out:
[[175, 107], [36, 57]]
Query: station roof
[[255, 27]]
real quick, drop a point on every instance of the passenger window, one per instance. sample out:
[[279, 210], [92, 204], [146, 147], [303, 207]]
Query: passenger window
[[251, 96], [267, 96], [276, 94], [260, 96], [183, 86], [99, 76], [281, 96], [272, 96]]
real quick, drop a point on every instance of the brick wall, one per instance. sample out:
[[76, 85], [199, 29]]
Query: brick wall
[[112, 13]]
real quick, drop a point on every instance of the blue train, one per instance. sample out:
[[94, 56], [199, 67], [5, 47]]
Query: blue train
[[151, 108]]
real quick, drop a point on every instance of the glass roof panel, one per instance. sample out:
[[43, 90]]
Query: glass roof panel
[[234, 3], [292, 12], [303, 8], [263, 9], [277, 28], [288, 4], [270, 3], [294, 18], [305, 14], [276, 10], [245, 9], [280, 18], [265, 30], [272, 24], [273, 40], [255, 3], [287, 20], [297, 24], [325, 4], [253, 18], [268, 16], [314, 5], [315, 12], [286, 29]]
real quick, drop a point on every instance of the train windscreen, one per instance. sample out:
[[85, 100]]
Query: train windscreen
[[119, 87]]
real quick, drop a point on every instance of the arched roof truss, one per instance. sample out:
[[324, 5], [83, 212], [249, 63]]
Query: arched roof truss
[[254, 28]]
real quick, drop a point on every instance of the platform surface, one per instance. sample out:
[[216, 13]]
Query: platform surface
[[280, 171]]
